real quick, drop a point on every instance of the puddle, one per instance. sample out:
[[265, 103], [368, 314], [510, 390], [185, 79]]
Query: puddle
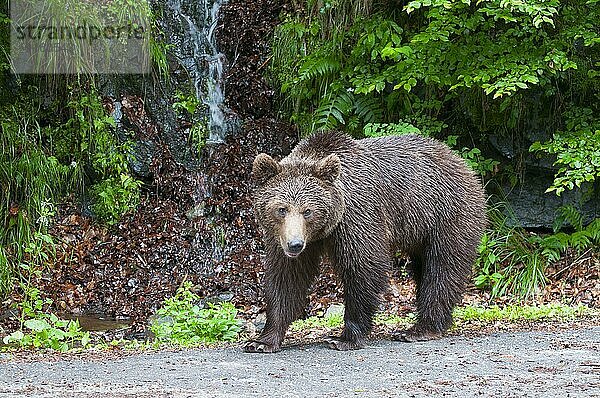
[[97, 323]]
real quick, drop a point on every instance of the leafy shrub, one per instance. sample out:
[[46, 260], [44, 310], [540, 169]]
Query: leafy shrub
[[31, 182], [513, 261], [40, 164], [40, 329], [577, 150], [182, 321], [354, 62], [116, 192], [188, 106], [385, 129], [114, 197]]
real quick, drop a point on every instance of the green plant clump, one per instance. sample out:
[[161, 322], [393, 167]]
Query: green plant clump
[[520, 313], [188, 106], [513, 261], [328, 322], [355, 62], [181, 321], [43, 329], [468, 313]]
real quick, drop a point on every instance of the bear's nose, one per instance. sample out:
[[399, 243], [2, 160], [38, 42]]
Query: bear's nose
[[295, 246]]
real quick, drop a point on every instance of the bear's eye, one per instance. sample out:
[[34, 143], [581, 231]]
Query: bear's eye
[[282, 211], [307, 213]]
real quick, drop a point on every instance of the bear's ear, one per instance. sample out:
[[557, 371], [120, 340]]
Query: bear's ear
[[264, 168], [328, 168]]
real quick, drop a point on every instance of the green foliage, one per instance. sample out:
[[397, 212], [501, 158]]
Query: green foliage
[[519, 313], [56, 54], [467, 314], [31, 182], [188, 106], [383, 318], [312, 322], [114, 197], [448, 67], [182, 321], [42, 329], [40, 164], [90, 131], [57, 138], [433, 50], [480, 164], [158, 53], [568, 215], [577, 150], [186, 103], [512, 261], [385, 129], [510, 264], [335, 321]]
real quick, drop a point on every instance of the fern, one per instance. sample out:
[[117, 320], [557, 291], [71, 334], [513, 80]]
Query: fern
[[333, 111], [593, 230], [318, 67], [554, 245], [348, 109], [580, 241], [368, 109], [568, 215]]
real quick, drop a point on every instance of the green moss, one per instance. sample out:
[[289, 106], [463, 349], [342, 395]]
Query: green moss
[[462, 315]]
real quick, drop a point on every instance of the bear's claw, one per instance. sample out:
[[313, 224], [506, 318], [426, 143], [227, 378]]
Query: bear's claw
[[259, 347], [339, 344]]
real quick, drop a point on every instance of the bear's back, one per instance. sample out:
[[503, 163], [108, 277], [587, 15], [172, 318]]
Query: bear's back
[[413, 184]]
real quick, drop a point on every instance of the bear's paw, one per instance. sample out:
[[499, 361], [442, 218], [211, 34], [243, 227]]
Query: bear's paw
[[413, 335], [339, 344], [260, 347]]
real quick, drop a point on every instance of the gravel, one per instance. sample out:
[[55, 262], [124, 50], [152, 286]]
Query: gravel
[[561, 363]]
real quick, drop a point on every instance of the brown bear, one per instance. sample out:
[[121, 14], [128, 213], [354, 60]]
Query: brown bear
[[359, 202]]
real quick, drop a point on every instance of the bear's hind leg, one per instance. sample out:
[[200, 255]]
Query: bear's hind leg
[[441, 274]]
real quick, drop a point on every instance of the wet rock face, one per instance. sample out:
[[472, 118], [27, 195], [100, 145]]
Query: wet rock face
[[529, 204], [244, 35], [532, 207]]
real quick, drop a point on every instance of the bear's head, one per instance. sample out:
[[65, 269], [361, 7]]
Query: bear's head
[[297, 201]]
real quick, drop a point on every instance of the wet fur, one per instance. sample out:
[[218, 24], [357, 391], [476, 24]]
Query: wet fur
[[390, 194]]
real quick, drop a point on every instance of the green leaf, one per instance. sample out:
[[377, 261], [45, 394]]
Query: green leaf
[[14, 337], [37, 325]]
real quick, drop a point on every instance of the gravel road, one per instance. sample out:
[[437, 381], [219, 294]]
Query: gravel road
[[563, 363]]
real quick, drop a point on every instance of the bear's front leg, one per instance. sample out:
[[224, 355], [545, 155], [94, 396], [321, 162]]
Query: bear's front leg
[[364, 277], [287, 282]]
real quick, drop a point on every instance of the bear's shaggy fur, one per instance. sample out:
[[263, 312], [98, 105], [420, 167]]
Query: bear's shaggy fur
[[359, 202]]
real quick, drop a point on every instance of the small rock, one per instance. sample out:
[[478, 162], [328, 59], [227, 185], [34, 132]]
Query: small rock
[[217, 298], [250, 328], [260, 321], [335, 309]]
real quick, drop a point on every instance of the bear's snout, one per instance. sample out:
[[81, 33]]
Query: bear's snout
[[293, 234], [295, 246]]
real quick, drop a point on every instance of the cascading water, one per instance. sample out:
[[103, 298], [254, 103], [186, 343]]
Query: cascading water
[[197, 51]]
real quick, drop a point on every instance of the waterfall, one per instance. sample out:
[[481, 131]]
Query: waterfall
[[198, 53]]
